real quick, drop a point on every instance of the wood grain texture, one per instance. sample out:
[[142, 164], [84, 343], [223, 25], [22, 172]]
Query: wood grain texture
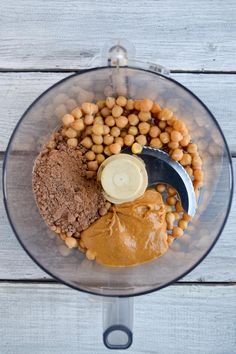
[[18, 90], [178, 34], [52, 319], [219, 266]]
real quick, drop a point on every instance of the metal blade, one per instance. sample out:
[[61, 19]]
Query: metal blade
[[162, 169]]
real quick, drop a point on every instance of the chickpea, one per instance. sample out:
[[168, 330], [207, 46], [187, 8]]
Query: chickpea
[[171, 201], [154, 131], [171, 121], [165, 138], [198, 175], [183, 224], [78, 125], [108, 139], [72, 142], [176, 136], [177, 215], [87, 142], [168, 209], [177, 232], [105, 112], [141, 139], [185, 141], [101, 104], [144, 116], [71, 242], [144, 127], [171, 191], [177, 154], [98, 149], [121, 101], [90, 156], [117, 111], [146, 105], [137, 105], [88, 130], [180, 126], [133, 130], [178, 207], [133, 119], [97, 139], [192, 148], [197, 184], [186, 160], [108, 205], [90, 255], [165, 114], [88, 108], [71, 133], [115, 131], [110, 102], [155, 108], [102, 211], [170, 240], [173, 145], [115, 148], [129, 105], [92, 165], [107, 151], [110, 121], [170, 218], [97, 129], [156, 143], [88, 119], [136, 148], [160, 188], [187, 217], [77, 113], [106, 130], [119, 140], [100, 158], [197, 162], [168, 130], [189, 170], [121, 122], [128, 140], [98, 120], [67, 119], [162, 124]]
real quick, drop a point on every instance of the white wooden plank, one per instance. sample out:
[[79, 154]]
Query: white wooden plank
[[179, 34], [18, 90], [52, 319], [218, 266]]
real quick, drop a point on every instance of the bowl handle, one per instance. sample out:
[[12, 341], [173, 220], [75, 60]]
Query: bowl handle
[[118, 322]]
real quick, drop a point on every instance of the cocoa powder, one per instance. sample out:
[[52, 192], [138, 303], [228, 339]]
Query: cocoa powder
[[67, 200]]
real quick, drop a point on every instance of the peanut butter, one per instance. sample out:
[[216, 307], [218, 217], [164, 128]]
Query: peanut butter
[[130, 233]]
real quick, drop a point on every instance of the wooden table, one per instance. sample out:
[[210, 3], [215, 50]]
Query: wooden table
[[42, 42]]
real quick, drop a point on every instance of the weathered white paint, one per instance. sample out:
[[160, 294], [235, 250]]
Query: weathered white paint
[[18, 90], [218, 266], [52, 319], [178, 34]]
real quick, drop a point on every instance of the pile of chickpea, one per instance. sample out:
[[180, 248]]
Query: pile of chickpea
[[106, 126]]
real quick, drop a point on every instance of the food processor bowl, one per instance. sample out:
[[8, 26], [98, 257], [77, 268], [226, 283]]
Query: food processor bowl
[[73, 269]]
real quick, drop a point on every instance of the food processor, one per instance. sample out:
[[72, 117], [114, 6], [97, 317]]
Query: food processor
[[118, 74]]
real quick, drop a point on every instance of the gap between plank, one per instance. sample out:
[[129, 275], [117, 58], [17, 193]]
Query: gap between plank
[[179, 283], [75, 70]]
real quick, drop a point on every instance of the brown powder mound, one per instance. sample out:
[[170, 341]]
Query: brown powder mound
[[65, 197]]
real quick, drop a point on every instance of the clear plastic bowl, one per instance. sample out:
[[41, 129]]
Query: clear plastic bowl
[[71, 267]]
